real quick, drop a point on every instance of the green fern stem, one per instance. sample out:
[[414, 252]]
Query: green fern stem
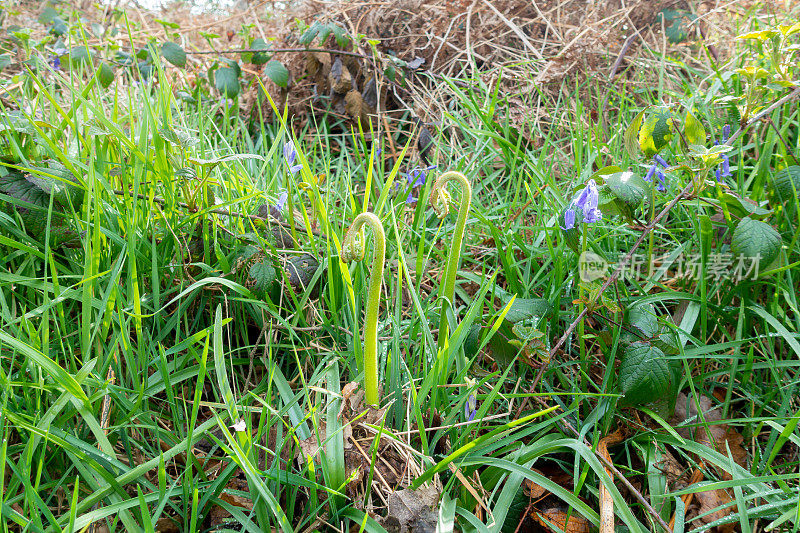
[[353, 249], [440, 199]]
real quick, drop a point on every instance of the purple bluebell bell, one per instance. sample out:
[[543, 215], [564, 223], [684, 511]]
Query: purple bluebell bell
[[290, 155], [416, 178], [655, 172], [470, 408], [724, 169], [569, 219], [586, 202], [55, 59]]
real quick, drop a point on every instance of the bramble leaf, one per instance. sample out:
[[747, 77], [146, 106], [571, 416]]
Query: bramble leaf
[[275, 71], [263, 274], [173, 53], [787, 184], [227, 82], [753, 238], [105, 75], [627, 187], [644, 374]]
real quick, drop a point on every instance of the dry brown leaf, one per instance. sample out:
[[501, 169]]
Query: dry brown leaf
[[718, 435], [533, 490], [166, 524], [711, 499], [568, 522], [412, 510]]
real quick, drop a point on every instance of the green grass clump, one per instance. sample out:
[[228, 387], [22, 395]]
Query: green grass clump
[[177, 341]]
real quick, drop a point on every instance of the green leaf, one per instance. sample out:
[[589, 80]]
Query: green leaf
[[275, 71], [656, 132], [741, 207], [79, 55], [339, 33], [16, 185], [627, 187], [694, 130], [527, 308], [60, 27], [173, 53], [263, 275], [677, 24], [178, 136], [632, 134], [756, 239], [105, 74], [787, 184], [644, 374], [48, 15], [310, 33], [5, 60], [643, 318], [227, 82], [258, 58]]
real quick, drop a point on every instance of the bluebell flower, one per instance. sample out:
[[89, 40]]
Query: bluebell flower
[[569, 219], [655, 172], [470, 408], [290, 155], [586, 202], [416, 178], [724, 170], [55, 59]]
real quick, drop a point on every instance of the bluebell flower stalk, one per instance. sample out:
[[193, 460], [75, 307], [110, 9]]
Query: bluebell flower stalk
[[440, 199], [353, 249]]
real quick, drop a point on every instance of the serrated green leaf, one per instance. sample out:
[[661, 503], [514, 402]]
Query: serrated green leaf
[[339, 33], [644, 319], [222, 159], [756, 239], [174, 53], [275, 71], [694, 130], [656, 132], [632, 134], [258, 58], [644, 374], [310, 33], [16, 185], [105, 75], [627, 187], [741, 207], [60, 27], [263, 275], [787, 184], [227, 82], [473, 341]]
